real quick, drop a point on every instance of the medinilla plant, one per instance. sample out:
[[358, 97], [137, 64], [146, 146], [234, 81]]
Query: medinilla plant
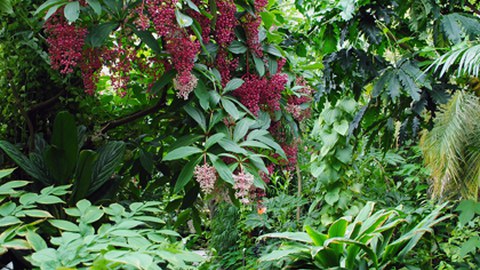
[[63, 162], [375, 240], [215, 71]]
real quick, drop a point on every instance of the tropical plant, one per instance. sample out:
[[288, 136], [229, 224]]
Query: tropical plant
[[376, 240], [62, 162], [331, 158], [451, 149], [224, 228], [111, 237], [21, 212], [127, 238], [465, 57]]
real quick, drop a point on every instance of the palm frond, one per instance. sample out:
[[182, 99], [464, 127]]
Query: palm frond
[[449, 151], [466, 55]]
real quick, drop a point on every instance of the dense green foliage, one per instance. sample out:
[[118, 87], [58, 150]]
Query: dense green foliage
[[261, 133]]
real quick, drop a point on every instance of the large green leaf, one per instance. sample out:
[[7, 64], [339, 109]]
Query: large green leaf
[[6, 172], [109, 158], [72, 11], [98, 34], [340, 240], [181, 152], [83, 175], [281, 254], [6, 6], [187, 173], [233, 84], [317, 237], [294, 236], [21, 160], [61, 157], [197, 115], [222, 168], [337, 229]]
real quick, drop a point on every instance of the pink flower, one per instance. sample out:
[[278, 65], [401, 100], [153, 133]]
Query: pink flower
[[225, 65], [251, 27], [91, 64], [243, 184], [206, 176], [249, 92], [260, 5], [162, 13], [272, 93], [184, 86], [226, 22], [203, 20], [65, 42], [142, 21]]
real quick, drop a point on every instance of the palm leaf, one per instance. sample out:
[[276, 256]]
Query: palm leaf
[[446, 148]]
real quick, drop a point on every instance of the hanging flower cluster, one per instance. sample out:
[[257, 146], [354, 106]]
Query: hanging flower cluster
[[119, 60], [270, 96], [243, 184], [226, 22], [249, 92], [142, 21], [258, 92], [65, 42], [162, 13], [294, 104], [182, 46], [185, 88], [206, 176], [252, 24], [202, 20], [226, 65], [90, 66]]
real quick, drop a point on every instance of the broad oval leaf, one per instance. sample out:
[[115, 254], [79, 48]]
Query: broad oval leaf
[[233, 84], [72, 11], [181, 152]]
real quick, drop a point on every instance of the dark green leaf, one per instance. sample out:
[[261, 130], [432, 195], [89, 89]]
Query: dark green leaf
[[96, 6], [230, 108], [109, 158], [149, 39], [213, 140], [6, 6], [186, 174], [100, 33], [237, 47], [83, 175], [197, 115], [259, 65], [21, 160], [221, 168], [181, 152]]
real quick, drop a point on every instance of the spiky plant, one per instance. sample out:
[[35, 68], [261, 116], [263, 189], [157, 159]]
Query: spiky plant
[[452, 150]]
